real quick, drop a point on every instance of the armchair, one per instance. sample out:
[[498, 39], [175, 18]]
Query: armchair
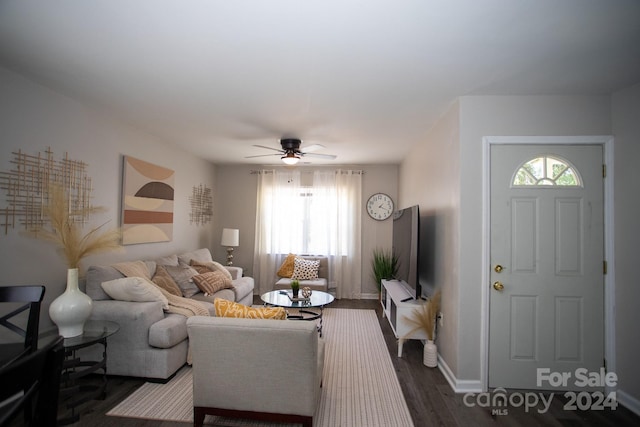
[[237, 363]]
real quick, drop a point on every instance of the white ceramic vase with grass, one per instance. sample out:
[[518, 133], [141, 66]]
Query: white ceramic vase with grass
[[71, 309], [430, 355]]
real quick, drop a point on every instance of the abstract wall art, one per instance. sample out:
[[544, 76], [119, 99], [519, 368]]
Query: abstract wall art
[[147, 202]]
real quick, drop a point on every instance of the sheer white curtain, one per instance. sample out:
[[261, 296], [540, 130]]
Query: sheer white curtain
[[323, 219], [277, 223], [336, 198]]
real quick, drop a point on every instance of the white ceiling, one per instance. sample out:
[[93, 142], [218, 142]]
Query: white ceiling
[[366, 79]]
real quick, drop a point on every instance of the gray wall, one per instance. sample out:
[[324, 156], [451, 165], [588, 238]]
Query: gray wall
[[236, 190], [626, 128], [33, 118]]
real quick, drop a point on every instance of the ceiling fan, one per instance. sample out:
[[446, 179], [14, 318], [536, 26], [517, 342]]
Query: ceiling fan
[[290, 152]]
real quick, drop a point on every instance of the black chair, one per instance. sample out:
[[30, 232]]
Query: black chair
[[30, 385], [31, 297]]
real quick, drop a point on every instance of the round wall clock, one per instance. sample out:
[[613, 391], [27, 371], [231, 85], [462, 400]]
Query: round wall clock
[[379, 206]]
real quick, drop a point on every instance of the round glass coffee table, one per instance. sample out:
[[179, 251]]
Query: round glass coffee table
[[317, 300]]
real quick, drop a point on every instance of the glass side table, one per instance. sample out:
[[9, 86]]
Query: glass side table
[[95, 332]]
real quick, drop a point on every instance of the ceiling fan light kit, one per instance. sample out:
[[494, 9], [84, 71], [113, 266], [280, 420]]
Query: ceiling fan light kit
[[290, 159]]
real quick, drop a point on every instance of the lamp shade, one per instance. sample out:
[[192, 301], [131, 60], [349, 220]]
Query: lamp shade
[[230, 237]]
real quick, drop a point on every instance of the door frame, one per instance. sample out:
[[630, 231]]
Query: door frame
[[606, 141]]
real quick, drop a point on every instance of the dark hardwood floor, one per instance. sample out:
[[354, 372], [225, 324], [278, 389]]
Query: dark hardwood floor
[[429, 397]]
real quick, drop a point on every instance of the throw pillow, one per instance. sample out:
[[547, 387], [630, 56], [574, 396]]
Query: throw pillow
[[212, 281], [304, 269], [207, 266], [136, 289], [286, 269], [225, 308], [163, 279], [183, 275]]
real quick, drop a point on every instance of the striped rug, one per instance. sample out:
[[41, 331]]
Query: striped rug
[[360, 387]]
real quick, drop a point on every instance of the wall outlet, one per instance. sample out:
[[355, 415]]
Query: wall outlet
[[440, 318]]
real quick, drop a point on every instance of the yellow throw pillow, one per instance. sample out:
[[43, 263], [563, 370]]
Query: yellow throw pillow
[[211, 282], [286, 269], [225, 308]]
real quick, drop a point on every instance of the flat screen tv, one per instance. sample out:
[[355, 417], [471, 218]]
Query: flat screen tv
[[406, 237]]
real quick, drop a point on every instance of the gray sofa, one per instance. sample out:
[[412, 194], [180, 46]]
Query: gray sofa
[[256, 368], [151, 343]]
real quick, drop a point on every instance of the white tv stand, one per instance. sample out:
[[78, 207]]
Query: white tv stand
[[396, 307]]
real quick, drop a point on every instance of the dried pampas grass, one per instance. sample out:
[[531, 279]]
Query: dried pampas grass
[[67, 234], [424, 317]]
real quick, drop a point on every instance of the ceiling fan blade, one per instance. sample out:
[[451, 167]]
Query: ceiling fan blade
[[269, 148], [320, 156], [313, 147], [263, 155]]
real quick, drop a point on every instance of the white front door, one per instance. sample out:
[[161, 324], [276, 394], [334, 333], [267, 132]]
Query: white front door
[[547, 255]]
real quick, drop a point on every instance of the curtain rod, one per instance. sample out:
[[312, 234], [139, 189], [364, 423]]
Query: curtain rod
[[342, 171]]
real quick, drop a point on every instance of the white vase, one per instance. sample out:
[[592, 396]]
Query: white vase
[[430, 355], [71, 309]]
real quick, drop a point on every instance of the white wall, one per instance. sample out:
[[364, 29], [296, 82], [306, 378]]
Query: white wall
[[237, 188], [430, 178], [626, 128], [33, 118]]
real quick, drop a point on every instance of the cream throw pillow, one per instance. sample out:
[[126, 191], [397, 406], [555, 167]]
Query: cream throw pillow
[[135, 289]]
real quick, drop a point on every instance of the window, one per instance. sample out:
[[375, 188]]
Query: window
[[547, 171]]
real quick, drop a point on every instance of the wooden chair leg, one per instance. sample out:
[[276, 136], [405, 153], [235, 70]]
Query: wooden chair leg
[[198, 416]]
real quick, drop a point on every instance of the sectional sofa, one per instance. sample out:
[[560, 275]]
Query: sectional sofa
[[152, 343]]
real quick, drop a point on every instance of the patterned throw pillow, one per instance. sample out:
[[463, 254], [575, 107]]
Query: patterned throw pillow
[[225, 308], [304, 269], [163, 279], [207, 266], [286, 269], [183, 274], [212, 281]]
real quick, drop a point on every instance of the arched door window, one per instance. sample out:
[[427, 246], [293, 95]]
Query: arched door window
[[549, 171]]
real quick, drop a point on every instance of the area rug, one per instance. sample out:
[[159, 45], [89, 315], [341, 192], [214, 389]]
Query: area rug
[[360, 387]]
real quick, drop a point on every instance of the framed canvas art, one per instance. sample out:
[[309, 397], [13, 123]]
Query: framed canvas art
[[147, 202]]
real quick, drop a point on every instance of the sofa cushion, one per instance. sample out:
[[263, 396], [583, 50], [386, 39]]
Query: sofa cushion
[[96, 274], [243, 287], [163, 279], [134, 289], [286, 269], [167, 260], [319, 284], [226, 308], [202, 255], [227, 294], [168, 332], [182, 274], [212, 281], [207, 266], [304, 269]]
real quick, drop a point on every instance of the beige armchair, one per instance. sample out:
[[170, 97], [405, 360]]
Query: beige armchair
[[255, 368]]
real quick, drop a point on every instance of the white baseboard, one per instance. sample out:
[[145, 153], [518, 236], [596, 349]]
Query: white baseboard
[[369, 296], [628, 401], [458, 386]]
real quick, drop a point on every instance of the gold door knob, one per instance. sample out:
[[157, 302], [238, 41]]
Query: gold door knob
[[498, 286], [498, 268]]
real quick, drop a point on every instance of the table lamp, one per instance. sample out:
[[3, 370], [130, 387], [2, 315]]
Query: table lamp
[[230, 239]]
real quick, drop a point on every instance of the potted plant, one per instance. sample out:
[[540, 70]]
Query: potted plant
[[295, 287], [384, 265], [424, 318]]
